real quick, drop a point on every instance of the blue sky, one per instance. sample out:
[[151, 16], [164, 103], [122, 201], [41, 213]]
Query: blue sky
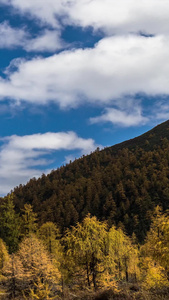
[[75, 75]]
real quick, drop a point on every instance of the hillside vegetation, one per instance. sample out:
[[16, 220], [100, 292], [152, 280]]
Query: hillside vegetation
[[121, 184], [97, 228], [90, 261]]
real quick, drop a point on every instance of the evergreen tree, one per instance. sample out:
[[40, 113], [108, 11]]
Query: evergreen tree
[[49, 234], [29, 219], [9, 224]]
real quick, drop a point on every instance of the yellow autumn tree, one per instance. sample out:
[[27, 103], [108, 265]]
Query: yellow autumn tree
[[33, 267], [123, 256], [15, 276], [155, 252], [157, 241], [86, 245], [49, 234], [4, 257], [152, 274]]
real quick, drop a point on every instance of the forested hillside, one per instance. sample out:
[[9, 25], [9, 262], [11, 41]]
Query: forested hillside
[[117, 200], [121, 184], [91, 261]]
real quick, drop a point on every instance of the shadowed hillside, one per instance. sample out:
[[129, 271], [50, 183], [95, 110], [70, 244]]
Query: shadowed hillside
[[121, 184]]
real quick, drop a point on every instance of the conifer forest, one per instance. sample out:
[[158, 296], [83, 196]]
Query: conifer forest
[[96, 228]]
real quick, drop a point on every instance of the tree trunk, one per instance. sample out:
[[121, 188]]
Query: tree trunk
[[87, 269], [94, 280], [126, 270], [13, 279], [119, 267]]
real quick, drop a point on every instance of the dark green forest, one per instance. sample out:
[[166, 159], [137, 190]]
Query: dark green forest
[[121, 184]]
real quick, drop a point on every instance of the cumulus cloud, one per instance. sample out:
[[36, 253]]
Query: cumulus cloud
[[21, 156], [121, 16], [47, 40], [110, 15], [115, 67], [45, 11], [11, 37], [121, 117]]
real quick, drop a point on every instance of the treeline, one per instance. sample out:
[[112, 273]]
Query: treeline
[[122, 186], [38, 262]]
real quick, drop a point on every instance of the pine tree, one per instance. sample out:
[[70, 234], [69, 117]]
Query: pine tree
[[49, 234], [10, 224], [29, 219]]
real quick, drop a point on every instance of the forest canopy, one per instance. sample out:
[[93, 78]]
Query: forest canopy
[[43, 264], [121, 184], [98, 223]]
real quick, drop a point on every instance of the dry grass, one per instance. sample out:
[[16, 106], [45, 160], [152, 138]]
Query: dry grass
[[126, 292]]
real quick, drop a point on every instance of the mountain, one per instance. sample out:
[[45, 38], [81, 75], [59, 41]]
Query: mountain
[[121, 184]]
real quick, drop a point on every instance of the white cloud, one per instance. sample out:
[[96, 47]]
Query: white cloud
[[162, 116], [47, 40], [121, 16], [161, 110], [110, 15], [11, 37], [121, 117], [46, 11], [20, 156], [117, 66]]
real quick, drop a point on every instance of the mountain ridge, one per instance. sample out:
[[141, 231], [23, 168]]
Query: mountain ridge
[[137, 140], [121, 184]]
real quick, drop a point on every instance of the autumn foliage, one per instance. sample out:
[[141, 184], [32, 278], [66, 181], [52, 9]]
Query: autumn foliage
[[88, 256]]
